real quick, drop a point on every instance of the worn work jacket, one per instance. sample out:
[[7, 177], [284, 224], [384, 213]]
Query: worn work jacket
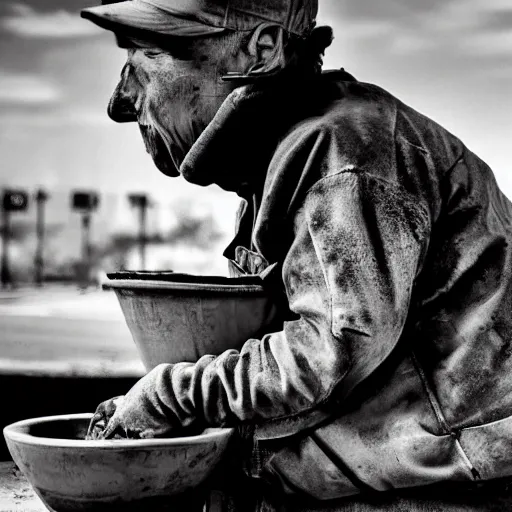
[[392, 243]]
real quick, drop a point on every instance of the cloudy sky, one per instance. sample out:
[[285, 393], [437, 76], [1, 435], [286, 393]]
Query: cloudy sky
[[451, 59]]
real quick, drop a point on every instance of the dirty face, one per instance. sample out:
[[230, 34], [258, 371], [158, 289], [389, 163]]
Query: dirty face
[[173, 92]]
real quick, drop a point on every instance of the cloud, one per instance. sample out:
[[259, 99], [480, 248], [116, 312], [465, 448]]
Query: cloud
[[463, 15], [486, 5], [349, 28], [24, 21], [26, 88], [477, 28], [462, 26], [497, 43], [367, 29], [351, 32]]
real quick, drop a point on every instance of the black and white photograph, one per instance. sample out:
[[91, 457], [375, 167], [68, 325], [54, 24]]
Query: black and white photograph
[[256, 255]]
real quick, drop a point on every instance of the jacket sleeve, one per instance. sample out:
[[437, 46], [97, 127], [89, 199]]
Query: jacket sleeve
[[358, 243]]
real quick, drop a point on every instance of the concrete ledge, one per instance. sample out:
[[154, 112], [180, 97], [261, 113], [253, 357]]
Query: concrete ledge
[[69, 368]]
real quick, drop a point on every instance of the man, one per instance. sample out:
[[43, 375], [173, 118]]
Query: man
[[390, 239]]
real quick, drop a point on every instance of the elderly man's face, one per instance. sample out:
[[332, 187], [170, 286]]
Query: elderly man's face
[[173, 94]]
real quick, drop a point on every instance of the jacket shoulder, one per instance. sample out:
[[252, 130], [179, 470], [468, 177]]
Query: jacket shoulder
[[352, 128], [356, 110], [349, 126]]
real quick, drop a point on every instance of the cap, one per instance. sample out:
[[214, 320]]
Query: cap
[[194, 18]]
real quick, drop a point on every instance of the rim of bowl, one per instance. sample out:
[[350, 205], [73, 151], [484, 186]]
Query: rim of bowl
[[12, 433], [142, 284]]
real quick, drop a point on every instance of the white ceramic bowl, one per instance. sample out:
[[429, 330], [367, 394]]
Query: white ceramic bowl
[[180, 317], [71, 474]]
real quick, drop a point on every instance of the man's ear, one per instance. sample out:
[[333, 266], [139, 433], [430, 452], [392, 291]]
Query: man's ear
[[262, 43], [264, 51]]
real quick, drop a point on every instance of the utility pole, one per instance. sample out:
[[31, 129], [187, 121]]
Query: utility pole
[[142, 203], [86, 237], [12, 201], [85, 202], [41, 197], [6, 232]]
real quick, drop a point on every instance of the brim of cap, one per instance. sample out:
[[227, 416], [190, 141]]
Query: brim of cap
[[140, 16]]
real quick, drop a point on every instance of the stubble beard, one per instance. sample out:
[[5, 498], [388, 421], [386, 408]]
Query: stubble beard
[[159, 150]]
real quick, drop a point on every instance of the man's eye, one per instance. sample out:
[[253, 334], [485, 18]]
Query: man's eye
[[152, 54], [181, 52]]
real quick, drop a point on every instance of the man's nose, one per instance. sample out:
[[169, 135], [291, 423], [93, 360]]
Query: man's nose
[[121, 107]]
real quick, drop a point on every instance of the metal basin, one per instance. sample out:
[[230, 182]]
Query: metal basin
[[180, 317], [71, 474]]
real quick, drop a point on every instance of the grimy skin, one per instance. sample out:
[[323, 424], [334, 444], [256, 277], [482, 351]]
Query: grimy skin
[[174, 93]]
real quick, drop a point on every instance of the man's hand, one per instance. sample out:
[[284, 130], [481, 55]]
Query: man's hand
[[140, 414], [102, 416]]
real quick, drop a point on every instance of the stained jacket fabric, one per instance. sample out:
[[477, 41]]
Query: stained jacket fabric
[[391, 242]]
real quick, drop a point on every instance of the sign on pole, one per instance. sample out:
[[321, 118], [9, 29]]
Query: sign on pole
[[15, 200], [85, 201]]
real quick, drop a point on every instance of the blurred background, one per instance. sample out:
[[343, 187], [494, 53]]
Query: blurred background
[[79, 193]]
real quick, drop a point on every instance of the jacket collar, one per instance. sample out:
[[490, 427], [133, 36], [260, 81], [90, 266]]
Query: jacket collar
[[236, 147]]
